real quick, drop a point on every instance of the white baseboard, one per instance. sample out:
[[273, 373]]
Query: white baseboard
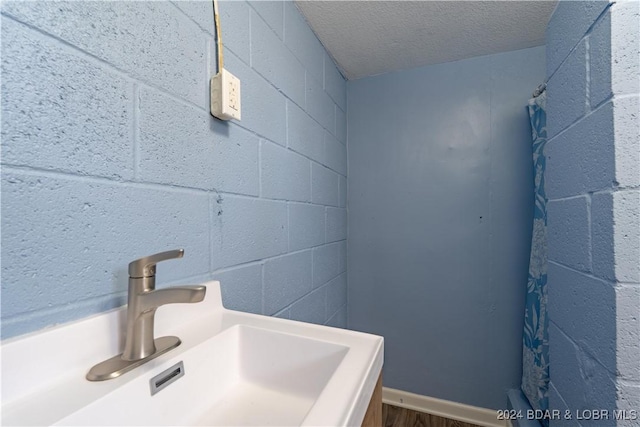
[[443, 408]]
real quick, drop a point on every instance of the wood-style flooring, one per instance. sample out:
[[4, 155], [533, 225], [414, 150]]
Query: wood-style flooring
[[393, 416]]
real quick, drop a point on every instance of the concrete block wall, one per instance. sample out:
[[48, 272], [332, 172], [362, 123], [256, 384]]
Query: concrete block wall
[[109, 153], [593, 185]]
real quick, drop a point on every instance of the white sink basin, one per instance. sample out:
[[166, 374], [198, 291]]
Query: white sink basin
[[244, 376], [239, 370]]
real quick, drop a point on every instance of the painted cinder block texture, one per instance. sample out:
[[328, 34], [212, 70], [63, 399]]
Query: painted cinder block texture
[[593, 174], [628, 341], [109, 153], [626, 125], [567, 26], [571, 169], [568, 91], [127, 36], [585, 309], [286, 279], [284, 174], [582, 382], [175, 148], [307, 226], [556, 401], [67, 111], [329, 261], [625, 48], [568, 232], [304, 134]]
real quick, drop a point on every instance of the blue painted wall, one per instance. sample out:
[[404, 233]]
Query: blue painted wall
[[593, 181], [440, 214], [109, 154]]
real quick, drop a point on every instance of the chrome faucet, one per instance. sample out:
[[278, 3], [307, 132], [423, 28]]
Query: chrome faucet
[[143, 301]]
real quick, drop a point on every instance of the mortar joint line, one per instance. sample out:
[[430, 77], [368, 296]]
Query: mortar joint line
[[136, 131], [589, 30], [584, 349]]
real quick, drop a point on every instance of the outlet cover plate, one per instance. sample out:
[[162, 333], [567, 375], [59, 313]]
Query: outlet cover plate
[[226, 96]]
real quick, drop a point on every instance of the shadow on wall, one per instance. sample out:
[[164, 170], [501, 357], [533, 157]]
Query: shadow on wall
[[582, 314], [594, 240]]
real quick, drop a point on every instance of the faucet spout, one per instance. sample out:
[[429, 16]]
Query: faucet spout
[[177, 295]]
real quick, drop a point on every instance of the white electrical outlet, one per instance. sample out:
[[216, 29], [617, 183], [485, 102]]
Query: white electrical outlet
[[225, 96]]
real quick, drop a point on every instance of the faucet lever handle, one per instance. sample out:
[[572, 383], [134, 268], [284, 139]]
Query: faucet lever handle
[[146, 267]]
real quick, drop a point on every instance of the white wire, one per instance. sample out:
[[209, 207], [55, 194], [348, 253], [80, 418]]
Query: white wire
[[216, 19]]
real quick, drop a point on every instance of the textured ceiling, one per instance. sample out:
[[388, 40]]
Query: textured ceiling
[[372, 37]]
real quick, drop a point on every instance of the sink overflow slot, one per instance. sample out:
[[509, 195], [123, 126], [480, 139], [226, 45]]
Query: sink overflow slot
[[166, 377]]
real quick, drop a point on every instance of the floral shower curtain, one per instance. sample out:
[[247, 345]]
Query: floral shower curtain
[[535, 354]]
